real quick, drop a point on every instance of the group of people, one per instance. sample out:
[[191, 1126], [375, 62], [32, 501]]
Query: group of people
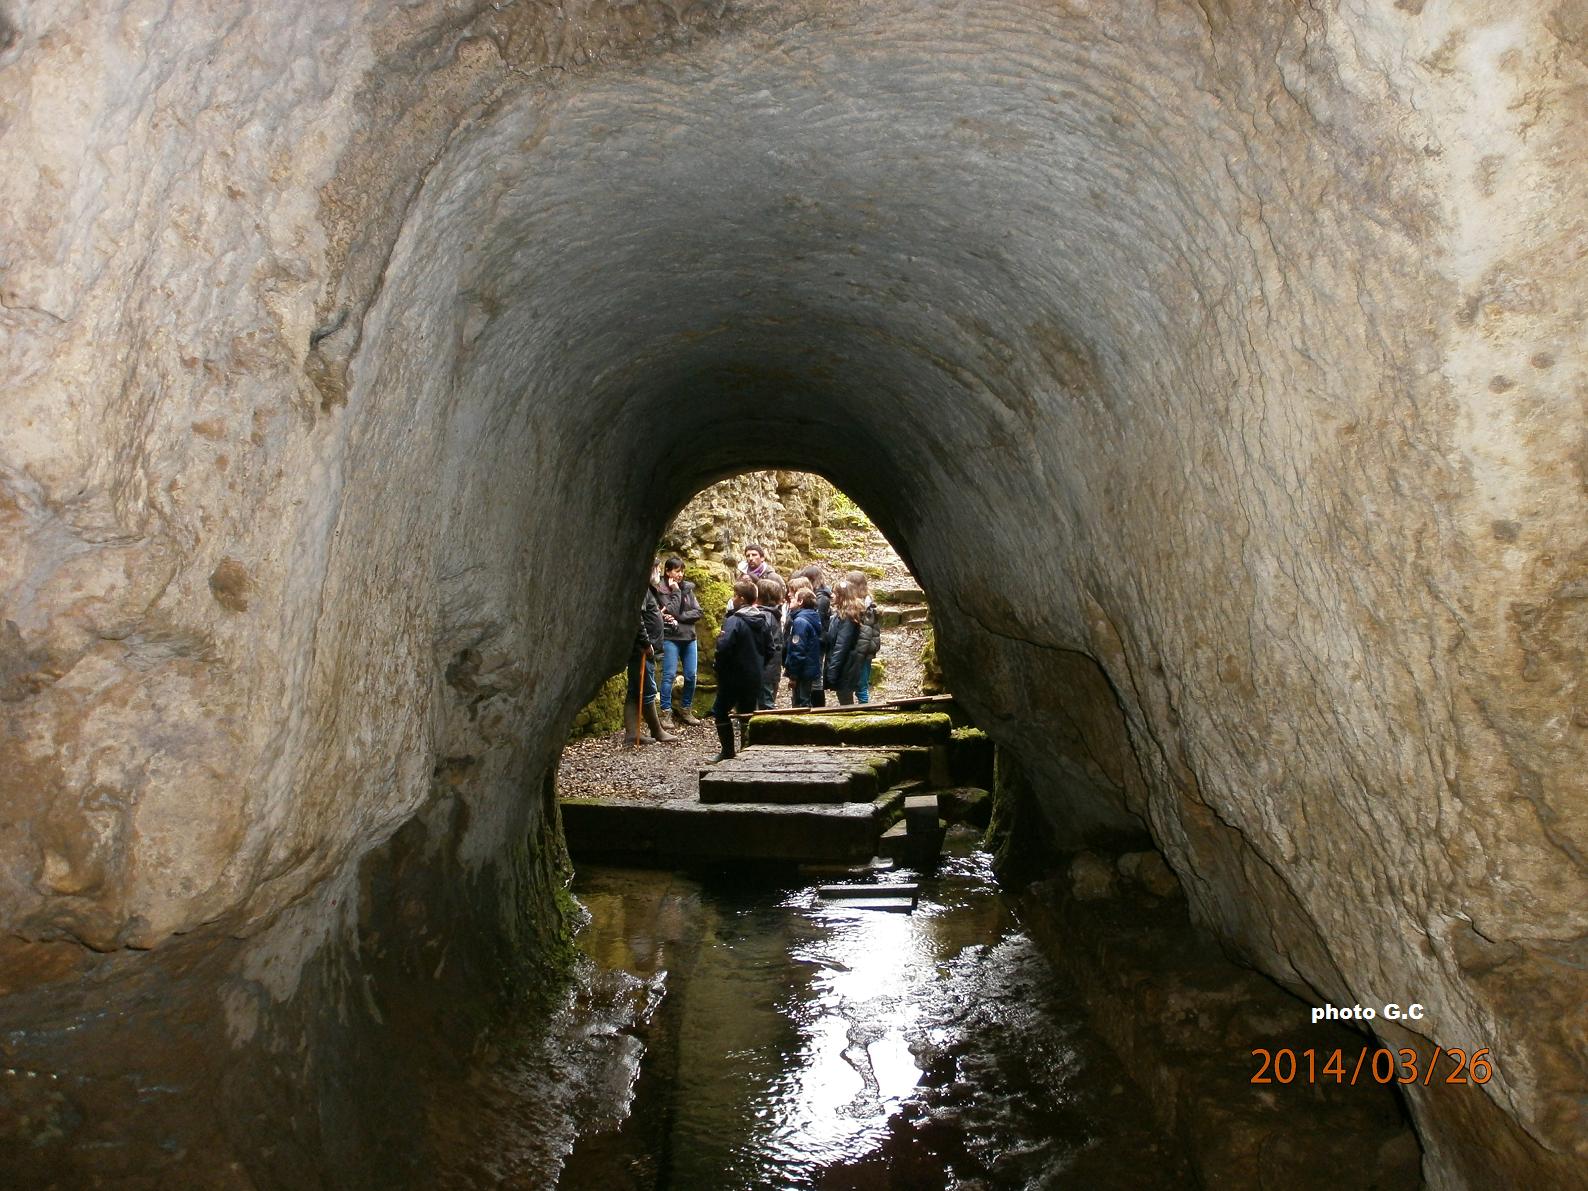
[[820, 638]]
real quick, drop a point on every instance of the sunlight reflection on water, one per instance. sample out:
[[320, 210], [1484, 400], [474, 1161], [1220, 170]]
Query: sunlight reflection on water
[[804, 1039]]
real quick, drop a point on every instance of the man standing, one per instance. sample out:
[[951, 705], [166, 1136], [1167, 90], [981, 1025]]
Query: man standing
[[755, 565]]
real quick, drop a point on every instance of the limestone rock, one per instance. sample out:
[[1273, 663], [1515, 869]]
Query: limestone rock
[[1092, 878], [1148, 870]]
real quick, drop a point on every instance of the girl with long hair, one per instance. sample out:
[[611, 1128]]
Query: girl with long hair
[[853, 637]]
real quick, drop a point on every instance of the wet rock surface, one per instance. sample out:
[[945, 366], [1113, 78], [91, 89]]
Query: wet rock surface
[[1218, 371], [1194, 1030]]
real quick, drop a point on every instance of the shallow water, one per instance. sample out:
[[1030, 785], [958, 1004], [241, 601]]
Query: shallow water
[[788, 1042]]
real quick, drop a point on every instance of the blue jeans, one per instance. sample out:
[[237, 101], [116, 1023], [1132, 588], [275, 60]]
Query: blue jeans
[[674, 652], [863, 691]]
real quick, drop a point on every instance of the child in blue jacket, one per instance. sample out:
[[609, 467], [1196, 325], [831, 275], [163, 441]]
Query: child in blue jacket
[[802, 657]]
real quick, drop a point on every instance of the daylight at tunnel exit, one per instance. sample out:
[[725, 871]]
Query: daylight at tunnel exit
[[832, 594]]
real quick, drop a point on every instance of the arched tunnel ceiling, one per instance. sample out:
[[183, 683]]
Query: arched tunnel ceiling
[[847, 218], [1209, 361]]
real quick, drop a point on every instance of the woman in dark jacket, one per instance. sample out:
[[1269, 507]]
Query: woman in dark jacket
[[853, 637], [680, 613], [642, 688]]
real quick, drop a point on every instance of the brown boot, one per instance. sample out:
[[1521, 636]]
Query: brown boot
[[683, 718], [653, 720]]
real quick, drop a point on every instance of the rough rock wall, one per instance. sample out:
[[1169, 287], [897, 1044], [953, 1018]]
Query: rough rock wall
[[780, 510], [1217, 367]]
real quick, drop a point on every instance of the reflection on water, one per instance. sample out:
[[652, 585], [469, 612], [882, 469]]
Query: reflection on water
[[798, 1043]]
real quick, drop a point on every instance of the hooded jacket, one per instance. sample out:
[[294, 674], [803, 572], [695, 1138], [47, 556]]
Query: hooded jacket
[[742, 649], [802, 654]]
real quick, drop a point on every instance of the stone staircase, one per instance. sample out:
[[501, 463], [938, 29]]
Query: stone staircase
[[898, 606], [826, 786]]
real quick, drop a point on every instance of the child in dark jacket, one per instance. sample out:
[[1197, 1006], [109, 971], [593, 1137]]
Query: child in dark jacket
[[769, 599], [817, 578], [742, 649], [853, 637], [802, 658]]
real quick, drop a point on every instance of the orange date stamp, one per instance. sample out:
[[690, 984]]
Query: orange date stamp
[[1373, 1064]]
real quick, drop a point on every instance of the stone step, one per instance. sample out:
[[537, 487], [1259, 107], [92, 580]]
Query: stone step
[[919, 849], [920, 813], [669, 833], [875, 729], [795, 775], [891, 618], [944, 703], [898, 595], [966, 804], [970, 758], [857, 889]]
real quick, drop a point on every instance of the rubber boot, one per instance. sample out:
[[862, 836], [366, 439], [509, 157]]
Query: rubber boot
[[724, 740], [631, 727], [653, 720]]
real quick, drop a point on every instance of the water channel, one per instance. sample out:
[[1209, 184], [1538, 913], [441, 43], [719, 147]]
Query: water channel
[[776, 1040]]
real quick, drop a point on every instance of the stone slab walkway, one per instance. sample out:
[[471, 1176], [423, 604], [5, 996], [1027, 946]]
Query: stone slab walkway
[[683, 832], [794, 775]]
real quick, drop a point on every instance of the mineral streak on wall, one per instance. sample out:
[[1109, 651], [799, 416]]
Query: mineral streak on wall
[[1218, 366]]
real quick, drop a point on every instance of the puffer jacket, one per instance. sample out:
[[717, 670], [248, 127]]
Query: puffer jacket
[[850, 645], [802, 654]]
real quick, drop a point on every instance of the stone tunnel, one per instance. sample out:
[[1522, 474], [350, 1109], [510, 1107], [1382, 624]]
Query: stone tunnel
[[1219, 367]]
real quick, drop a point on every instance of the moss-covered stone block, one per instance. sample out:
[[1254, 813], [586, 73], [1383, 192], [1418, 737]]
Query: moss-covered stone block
[[970, 758], [966, 804], [931, 670], [714, 591], [604, 713], [875, 728]]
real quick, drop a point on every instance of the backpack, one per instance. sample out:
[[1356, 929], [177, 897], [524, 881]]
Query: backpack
[[868, 636]]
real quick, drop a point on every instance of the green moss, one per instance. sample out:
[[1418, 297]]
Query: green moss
[[844, 512], [603, 714], [715, 592], [931, 672], [1017, 835], [824, 537], [879, 672], [871, 570], [875, 728], [969, 733]]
